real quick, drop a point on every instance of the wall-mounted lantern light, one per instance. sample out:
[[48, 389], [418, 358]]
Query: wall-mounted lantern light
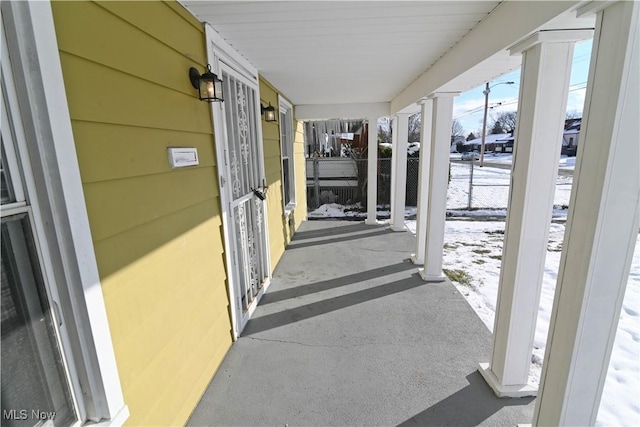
[[268, 112], [208, 84]]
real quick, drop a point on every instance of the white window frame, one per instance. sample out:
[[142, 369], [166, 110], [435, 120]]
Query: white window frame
[[285, 107], [54, 190]]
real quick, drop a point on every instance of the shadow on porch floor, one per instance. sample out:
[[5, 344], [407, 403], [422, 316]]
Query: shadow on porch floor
[[348, 334]]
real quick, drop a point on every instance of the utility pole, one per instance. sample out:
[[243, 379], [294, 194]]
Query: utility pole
[[484, 124], [486, 92]]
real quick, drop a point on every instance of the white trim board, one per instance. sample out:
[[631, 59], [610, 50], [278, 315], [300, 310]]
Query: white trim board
[[219, 50]]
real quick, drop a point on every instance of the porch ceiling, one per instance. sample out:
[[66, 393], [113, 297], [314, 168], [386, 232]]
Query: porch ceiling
[[365, 52]]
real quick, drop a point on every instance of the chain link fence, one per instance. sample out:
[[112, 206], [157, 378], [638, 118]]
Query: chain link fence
[[344, 181], [472, 187]]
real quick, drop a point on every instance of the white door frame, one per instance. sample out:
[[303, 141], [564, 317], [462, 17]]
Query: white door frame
[[221, 54]]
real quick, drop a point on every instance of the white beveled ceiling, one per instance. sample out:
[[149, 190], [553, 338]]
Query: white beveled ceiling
[[360, 52]]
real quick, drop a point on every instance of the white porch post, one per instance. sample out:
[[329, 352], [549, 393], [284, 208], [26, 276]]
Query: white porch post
[[438, 182], [372, 172], [394, 145], [426, 113], [544, 86], [602, 227], [399, 171]]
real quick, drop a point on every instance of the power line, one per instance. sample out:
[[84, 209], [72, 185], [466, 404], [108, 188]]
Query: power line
[[575, 87]]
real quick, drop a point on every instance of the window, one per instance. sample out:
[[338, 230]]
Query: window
[[33, 375], [34, 379], [286, 141]]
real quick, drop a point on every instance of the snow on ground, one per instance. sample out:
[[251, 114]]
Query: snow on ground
[[475, 247], [507, 158], [567, 162], [334, 210]]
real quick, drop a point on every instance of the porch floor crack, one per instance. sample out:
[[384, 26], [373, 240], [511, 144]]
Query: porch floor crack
[[299, 343]]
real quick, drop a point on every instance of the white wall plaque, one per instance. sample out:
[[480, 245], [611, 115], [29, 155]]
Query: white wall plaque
[[180, 157]]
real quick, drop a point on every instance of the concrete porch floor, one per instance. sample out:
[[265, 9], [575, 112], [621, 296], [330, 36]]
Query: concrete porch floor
[[348, 334]]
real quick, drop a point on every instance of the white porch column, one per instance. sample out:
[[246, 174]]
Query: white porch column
[[399, 171], [372, 172], [394, 144], [426, 113], [602, 227], [438, 182], [544, 86]]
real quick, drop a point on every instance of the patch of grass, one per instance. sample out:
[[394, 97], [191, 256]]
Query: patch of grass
[[498, 257], [479, 261], [481, 251], [459, 276], [450, 246], [470, 244]]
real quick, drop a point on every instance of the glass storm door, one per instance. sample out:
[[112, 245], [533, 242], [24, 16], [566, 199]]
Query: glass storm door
[[245, 175]]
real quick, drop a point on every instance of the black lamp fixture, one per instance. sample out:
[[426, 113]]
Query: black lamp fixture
[[208, 84], [268, 112]]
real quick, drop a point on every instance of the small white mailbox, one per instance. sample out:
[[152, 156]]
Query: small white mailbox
[[180, 157]]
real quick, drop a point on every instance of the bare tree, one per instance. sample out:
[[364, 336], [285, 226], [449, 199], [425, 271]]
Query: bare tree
[[496, 128], [384, 135], [574, 114], [505, 121], [456, 130], [415, 121]]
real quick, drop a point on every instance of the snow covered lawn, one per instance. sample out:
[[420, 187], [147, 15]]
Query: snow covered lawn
[[475, 249], [506, 158]]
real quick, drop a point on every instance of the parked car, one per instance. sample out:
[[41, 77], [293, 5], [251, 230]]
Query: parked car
[[470, 155]]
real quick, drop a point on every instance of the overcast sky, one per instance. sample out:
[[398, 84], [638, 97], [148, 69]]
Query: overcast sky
[[468, 107]]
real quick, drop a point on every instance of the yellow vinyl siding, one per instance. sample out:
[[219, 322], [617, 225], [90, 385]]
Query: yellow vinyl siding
[[130, 100], [280, 232], [156, 231], [106, 145], [163, 194]]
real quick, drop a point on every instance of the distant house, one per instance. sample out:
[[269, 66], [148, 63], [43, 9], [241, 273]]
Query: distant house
[[570, 136], [505, 145], [493, 142], [503, 142]]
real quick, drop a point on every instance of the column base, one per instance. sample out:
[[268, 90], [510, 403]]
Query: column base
[[371, 221], [431, 278], [415, 260], [398, 228], [520, 390]]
